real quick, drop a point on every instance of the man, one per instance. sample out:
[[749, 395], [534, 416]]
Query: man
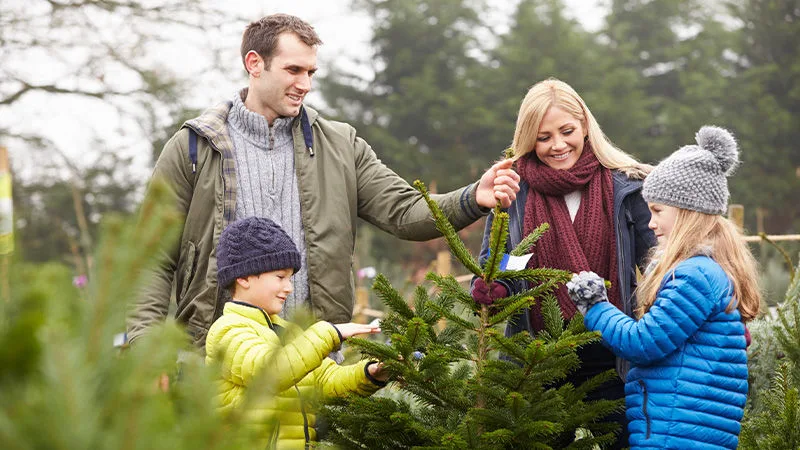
[[265, 154]]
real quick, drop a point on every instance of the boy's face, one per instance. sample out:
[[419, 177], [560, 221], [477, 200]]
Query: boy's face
[[268, 291]]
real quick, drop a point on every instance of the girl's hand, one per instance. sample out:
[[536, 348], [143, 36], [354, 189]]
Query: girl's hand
[[351, 329], [586, 289]]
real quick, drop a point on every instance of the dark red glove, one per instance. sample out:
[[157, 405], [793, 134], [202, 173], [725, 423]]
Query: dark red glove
[[746, 335], [485, 296]]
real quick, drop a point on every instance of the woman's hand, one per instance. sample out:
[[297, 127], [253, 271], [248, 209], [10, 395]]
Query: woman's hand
[[486, 295]]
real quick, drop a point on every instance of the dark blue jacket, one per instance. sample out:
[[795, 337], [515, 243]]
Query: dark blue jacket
[[688, 382], [634, 240]]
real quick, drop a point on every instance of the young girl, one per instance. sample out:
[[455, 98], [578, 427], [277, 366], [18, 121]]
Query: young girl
[[688, 382]]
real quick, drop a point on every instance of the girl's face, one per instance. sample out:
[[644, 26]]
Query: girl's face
[[559, 142], [662, 219]]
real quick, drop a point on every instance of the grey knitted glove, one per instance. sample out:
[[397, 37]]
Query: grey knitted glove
[[586, 289]]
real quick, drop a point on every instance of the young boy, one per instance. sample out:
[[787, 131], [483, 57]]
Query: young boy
[[256, 260]]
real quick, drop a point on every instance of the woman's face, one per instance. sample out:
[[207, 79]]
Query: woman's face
[[560, 140]]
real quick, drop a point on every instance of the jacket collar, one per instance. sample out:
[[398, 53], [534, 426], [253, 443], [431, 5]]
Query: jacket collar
[[254, 313], [212, 124]]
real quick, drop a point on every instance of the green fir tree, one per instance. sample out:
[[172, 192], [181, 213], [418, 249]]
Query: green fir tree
[[772, 418], [451, 388], [65, 385]]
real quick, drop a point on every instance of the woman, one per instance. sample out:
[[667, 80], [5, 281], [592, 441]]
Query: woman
[[589, 191]]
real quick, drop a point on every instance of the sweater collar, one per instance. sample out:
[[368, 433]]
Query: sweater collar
[[254, 126]]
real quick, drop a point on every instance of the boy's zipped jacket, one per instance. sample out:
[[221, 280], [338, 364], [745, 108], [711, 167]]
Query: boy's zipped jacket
[[250, 346], [340, 180]]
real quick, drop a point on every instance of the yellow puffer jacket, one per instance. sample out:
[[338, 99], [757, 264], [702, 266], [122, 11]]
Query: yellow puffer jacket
[[250, 346]]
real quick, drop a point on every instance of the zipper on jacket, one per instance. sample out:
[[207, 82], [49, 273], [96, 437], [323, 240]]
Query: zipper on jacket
[[305, 418], [644, 407]]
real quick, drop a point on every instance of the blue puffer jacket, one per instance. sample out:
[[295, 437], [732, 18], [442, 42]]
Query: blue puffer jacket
[[688, 380], [634, 240]]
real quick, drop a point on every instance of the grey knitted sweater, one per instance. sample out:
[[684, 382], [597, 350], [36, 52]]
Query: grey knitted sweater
[[267, 183]]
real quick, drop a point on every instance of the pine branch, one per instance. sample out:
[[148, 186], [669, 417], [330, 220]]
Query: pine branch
[[497, 245], [444, 226], [418, 333], [457, 320], [450, 291], [551, 313], [536, 275], [422, 304], [450, 336], [525, 246], [391, 297], [377, 350], [510, 306]]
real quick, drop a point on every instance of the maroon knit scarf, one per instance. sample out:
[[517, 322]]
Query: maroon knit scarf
[[588, 243]]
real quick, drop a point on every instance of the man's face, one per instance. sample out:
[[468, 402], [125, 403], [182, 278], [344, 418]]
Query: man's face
[[279, 89]]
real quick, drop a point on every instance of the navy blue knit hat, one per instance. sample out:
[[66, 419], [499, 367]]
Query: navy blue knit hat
[[253, 246]]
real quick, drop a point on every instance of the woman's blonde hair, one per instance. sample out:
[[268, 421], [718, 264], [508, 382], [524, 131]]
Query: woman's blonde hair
[[698, 233], [553, 92]]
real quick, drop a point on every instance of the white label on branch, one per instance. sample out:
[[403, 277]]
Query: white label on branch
[[510, 262]]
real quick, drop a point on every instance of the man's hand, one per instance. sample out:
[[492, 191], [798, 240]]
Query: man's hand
[[351, 329], [498, 184]]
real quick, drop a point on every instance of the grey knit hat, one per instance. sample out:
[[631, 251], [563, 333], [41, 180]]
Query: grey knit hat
[[253, 246], [695, 177]]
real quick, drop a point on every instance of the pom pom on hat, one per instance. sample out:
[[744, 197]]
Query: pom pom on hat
[[721, 143], [695, 176]]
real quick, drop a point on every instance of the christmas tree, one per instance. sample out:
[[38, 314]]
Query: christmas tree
[[459, 383]]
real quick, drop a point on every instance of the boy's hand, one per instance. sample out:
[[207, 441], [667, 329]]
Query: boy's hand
[[378, 371], [352, 329]]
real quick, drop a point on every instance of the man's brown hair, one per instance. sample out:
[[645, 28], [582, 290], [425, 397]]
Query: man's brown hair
[[262, 35]]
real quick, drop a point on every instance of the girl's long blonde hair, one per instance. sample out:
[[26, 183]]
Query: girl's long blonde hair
[[695, 233], [553, 92]]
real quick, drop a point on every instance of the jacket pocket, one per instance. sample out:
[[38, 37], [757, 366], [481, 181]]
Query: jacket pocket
[[187, 263], [644, 407]]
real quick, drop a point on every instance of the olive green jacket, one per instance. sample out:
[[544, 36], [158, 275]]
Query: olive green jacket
[[342, 180]]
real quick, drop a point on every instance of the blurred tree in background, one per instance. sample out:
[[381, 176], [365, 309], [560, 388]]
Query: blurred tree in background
[[447, 85], [764, 108], [104, 55], [66, 386]]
